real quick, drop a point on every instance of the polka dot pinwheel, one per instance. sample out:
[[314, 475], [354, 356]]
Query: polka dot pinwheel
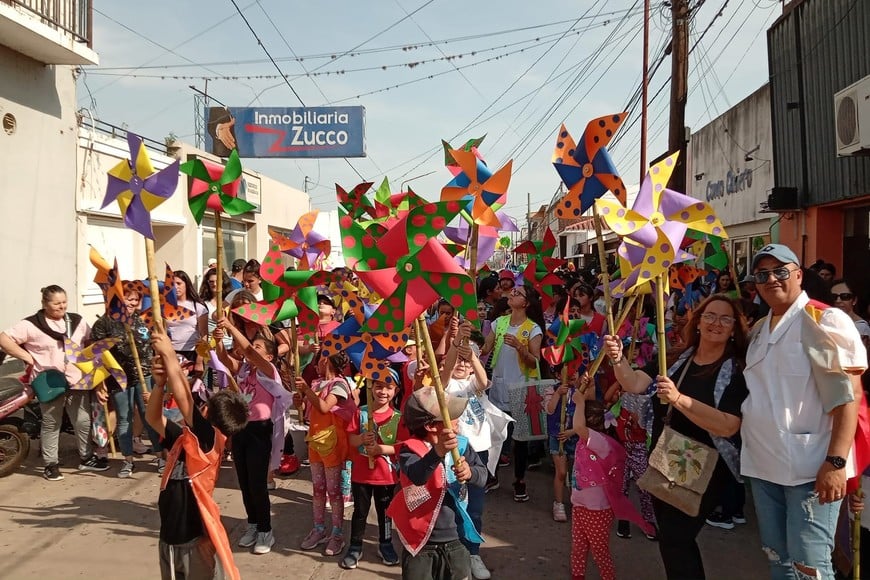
[[96, 363], [215, 187], [484, 190], [658, 221], [367, 350], [419, 271], [138, 188], [169, 307], [292, 295], [109, 281], [586, 167]]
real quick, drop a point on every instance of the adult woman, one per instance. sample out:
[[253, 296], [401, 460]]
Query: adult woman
[[38, 341], [126, 401], [208, 293], [725, 285], [186, 333], [704, 405], [515, 344], [845, 299]]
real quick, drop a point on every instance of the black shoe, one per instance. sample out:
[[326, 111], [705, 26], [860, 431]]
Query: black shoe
[[94, 463], [653, 537], [491, 484], [718, 520], [623, 529], [520, 494], [351, 557], [535, 462], [388, 554], [504, 460], [52, 472], [739, 518]]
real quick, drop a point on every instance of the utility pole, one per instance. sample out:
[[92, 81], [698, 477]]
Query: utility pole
[[529, 214], [679, 91]]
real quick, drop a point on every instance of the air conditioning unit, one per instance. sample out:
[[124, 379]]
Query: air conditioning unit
[[852, 119]]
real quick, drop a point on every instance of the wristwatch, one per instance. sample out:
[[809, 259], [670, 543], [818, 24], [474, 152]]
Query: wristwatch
[[837, 461]]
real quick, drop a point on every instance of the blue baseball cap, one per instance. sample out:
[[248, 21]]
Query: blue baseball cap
[[776, 251]]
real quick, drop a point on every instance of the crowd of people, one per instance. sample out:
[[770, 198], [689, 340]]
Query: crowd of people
[[763, 378]]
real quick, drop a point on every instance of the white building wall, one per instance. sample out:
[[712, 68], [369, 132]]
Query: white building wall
[[37, 183]]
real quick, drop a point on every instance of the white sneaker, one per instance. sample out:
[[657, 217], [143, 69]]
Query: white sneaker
[[559, 514], [139, 448], [249, 537], [265, 541], [478, 569]]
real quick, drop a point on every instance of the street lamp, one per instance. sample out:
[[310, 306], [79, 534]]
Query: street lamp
[[402, 185]]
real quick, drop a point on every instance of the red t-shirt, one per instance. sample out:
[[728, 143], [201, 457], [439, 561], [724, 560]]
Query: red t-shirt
[[385, 469]]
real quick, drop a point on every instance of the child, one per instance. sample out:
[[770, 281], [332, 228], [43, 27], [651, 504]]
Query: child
[[377, 482], [191, 533], [599, 464], [327, 447], [432, 500], [561, 433], [253, 457]]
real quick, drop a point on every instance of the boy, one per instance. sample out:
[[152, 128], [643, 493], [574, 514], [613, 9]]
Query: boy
[[191, 533], [433, 498]]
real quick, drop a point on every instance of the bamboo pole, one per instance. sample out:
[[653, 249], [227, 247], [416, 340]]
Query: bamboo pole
[[219, 249], [474, 242], [439, 388], [294, 367], [371, 419], [593, 368], [638, 310], [605, 275], [108, 429], [153, 287], [563, 412], [418, 339], [660, 326], [132, 340]]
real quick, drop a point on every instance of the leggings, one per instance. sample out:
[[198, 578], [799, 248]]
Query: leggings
[[327, 482], [590, 530], [636, 463], [363, 494], [252, 447]]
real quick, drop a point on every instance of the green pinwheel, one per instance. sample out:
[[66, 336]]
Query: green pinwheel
[[215, 187]]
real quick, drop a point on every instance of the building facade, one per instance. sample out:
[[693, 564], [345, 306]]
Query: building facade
[[731, 167], [816, 49]]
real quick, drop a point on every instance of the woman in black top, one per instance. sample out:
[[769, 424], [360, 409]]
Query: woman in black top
[[705, 406]]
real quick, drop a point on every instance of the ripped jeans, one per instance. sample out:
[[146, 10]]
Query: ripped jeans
[[797, 533]]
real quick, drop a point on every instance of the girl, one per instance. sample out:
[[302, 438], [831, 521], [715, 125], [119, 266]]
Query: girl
[[327, 399], [564, 434], [376, 483], [599, 464], [186, 333], [260, 383]]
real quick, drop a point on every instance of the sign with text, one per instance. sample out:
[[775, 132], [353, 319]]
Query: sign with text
[[287, 132]]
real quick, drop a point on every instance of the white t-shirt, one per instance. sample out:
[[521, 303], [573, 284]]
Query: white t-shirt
[[472, 422], [506, 371], [185, 333], [786, 427]]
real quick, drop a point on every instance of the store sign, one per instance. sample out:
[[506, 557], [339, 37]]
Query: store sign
[[734, 182], [313, 132]]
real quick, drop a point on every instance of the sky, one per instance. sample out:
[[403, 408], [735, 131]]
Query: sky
[[510, 70]]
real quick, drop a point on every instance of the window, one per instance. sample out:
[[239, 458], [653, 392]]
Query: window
[[235, 241]]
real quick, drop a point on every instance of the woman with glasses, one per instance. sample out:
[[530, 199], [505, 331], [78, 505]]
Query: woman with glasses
[[703, 392], [845, 299]]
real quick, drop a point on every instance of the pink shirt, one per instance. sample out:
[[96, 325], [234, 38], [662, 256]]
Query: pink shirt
[[47, 352], [592, 498], [260, 401]]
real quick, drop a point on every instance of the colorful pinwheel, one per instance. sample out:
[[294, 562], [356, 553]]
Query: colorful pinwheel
[[450, 162], [96, 363], [110, 283], [659, 219], [367, 350], [215, 187], [137, 188], [354, 201], [303, 243], [293, 295], [484, 189], [539, 272], [566, 349], [419, 271], [169, 307], [487, 237], [586, 168]]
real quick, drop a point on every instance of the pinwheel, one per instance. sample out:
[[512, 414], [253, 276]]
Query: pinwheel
[[360, 250], [215, 187], [367, 350], [419, 271], [450, 162], [681, 275], [586, 168], [565, 350], [354, 201], [169, 308], [137, 188], [487, 241], [292, 295], [539, 272], [304, 244], [110, 283], [96, 363], [483, 188]]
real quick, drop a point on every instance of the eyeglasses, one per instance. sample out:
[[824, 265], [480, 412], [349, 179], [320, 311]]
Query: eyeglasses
[[517, 292], [843, 296], [711, 318], [780, 274]]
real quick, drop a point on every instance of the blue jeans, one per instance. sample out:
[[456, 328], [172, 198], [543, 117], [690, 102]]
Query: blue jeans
[[475, 508], [126, 402], [795, 529]]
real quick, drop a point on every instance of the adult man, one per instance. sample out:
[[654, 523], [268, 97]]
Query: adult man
[[802, 371]]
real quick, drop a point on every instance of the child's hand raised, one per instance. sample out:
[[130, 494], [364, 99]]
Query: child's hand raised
[[447, 441], [162, 345], [562, 390], [462, 471]]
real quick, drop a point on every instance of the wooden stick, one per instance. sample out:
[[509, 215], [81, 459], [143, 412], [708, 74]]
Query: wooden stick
[[109, 430], [153, 288], [418, 339], [660, 327], [563, 412], [370, 426], [219, 247], [593, 368], [132, 340], [638, 310], [439, 388], [472, 250], [294, 367], [602, 259], [856, 542]]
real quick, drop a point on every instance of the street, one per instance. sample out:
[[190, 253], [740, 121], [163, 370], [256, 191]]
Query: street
[[98, 526]]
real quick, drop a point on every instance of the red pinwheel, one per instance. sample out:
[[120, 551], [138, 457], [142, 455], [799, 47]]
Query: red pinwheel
[[293, 295], [215, 187], [566, 349], [355, 201], [586, 168], [539, 273], [485, 188], [419, 271]]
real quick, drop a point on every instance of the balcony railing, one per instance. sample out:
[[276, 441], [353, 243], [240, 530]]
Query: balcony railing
[[75, 17]]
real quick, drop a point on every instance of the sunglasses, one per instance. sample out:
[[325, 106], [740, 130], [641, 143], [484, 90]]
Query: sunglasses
[[762, 276], [843, 296], [517, 292], [711, 318]]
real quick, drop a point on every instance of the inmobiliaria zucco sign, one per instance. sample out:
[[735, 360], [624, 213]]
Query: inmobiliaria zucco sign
[[286, 132]]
